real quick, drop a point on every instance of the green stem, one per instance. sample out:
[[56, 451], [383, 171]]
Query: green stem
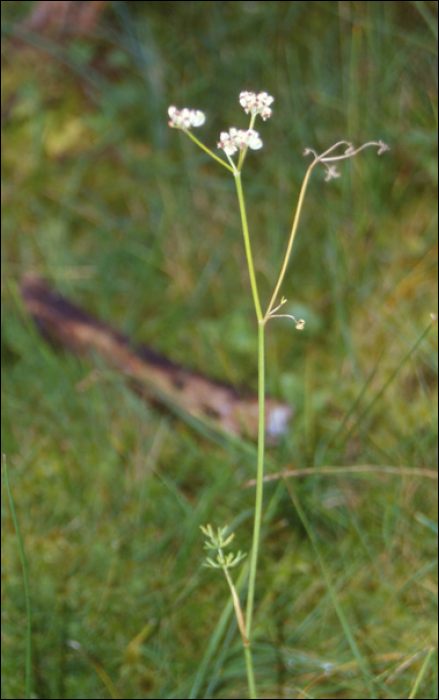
[[237, 606], [245, 640], [259, 479], [291, 241], [248, 249], [250, 673], [261, 438], [204, 148], [243, 153]]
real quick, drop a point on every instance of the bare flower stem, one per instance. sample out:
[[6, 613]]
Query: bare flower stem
[[291, 240]]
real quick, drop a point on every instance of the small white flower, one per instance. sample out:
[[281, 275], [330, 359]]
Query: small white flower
[[227, 142], [234, 139], [252, 139], [185, 118], [256, 104]]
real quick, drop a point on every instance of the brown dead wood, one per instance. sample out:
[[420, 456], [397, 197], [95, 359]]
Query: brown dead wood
[[155, 377]]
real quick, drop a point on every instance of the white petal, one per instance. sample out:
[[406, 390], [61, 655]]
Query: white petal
[[198, 118]]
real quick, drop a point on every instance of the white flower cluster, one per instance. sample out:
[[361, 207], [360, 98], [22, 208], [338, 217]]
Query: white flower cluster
[[185, 118], [231, 141], [256, 104], [235, 139]]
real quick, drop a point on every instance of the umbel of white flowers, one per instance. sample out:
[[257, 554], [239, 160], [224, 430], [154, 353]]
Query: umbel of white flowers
[[185, 118], [256, 104], [235, 139]]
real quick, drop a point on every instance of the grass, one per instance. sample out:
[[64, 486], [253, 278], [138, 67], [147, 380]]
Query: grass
[[139, 227]]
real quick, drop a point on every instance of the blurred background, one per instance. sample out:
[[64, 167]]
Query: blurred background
[[131, 221]]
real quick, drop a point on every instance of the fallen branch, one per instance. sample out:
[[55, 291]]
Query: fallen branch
[[156, 377]]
